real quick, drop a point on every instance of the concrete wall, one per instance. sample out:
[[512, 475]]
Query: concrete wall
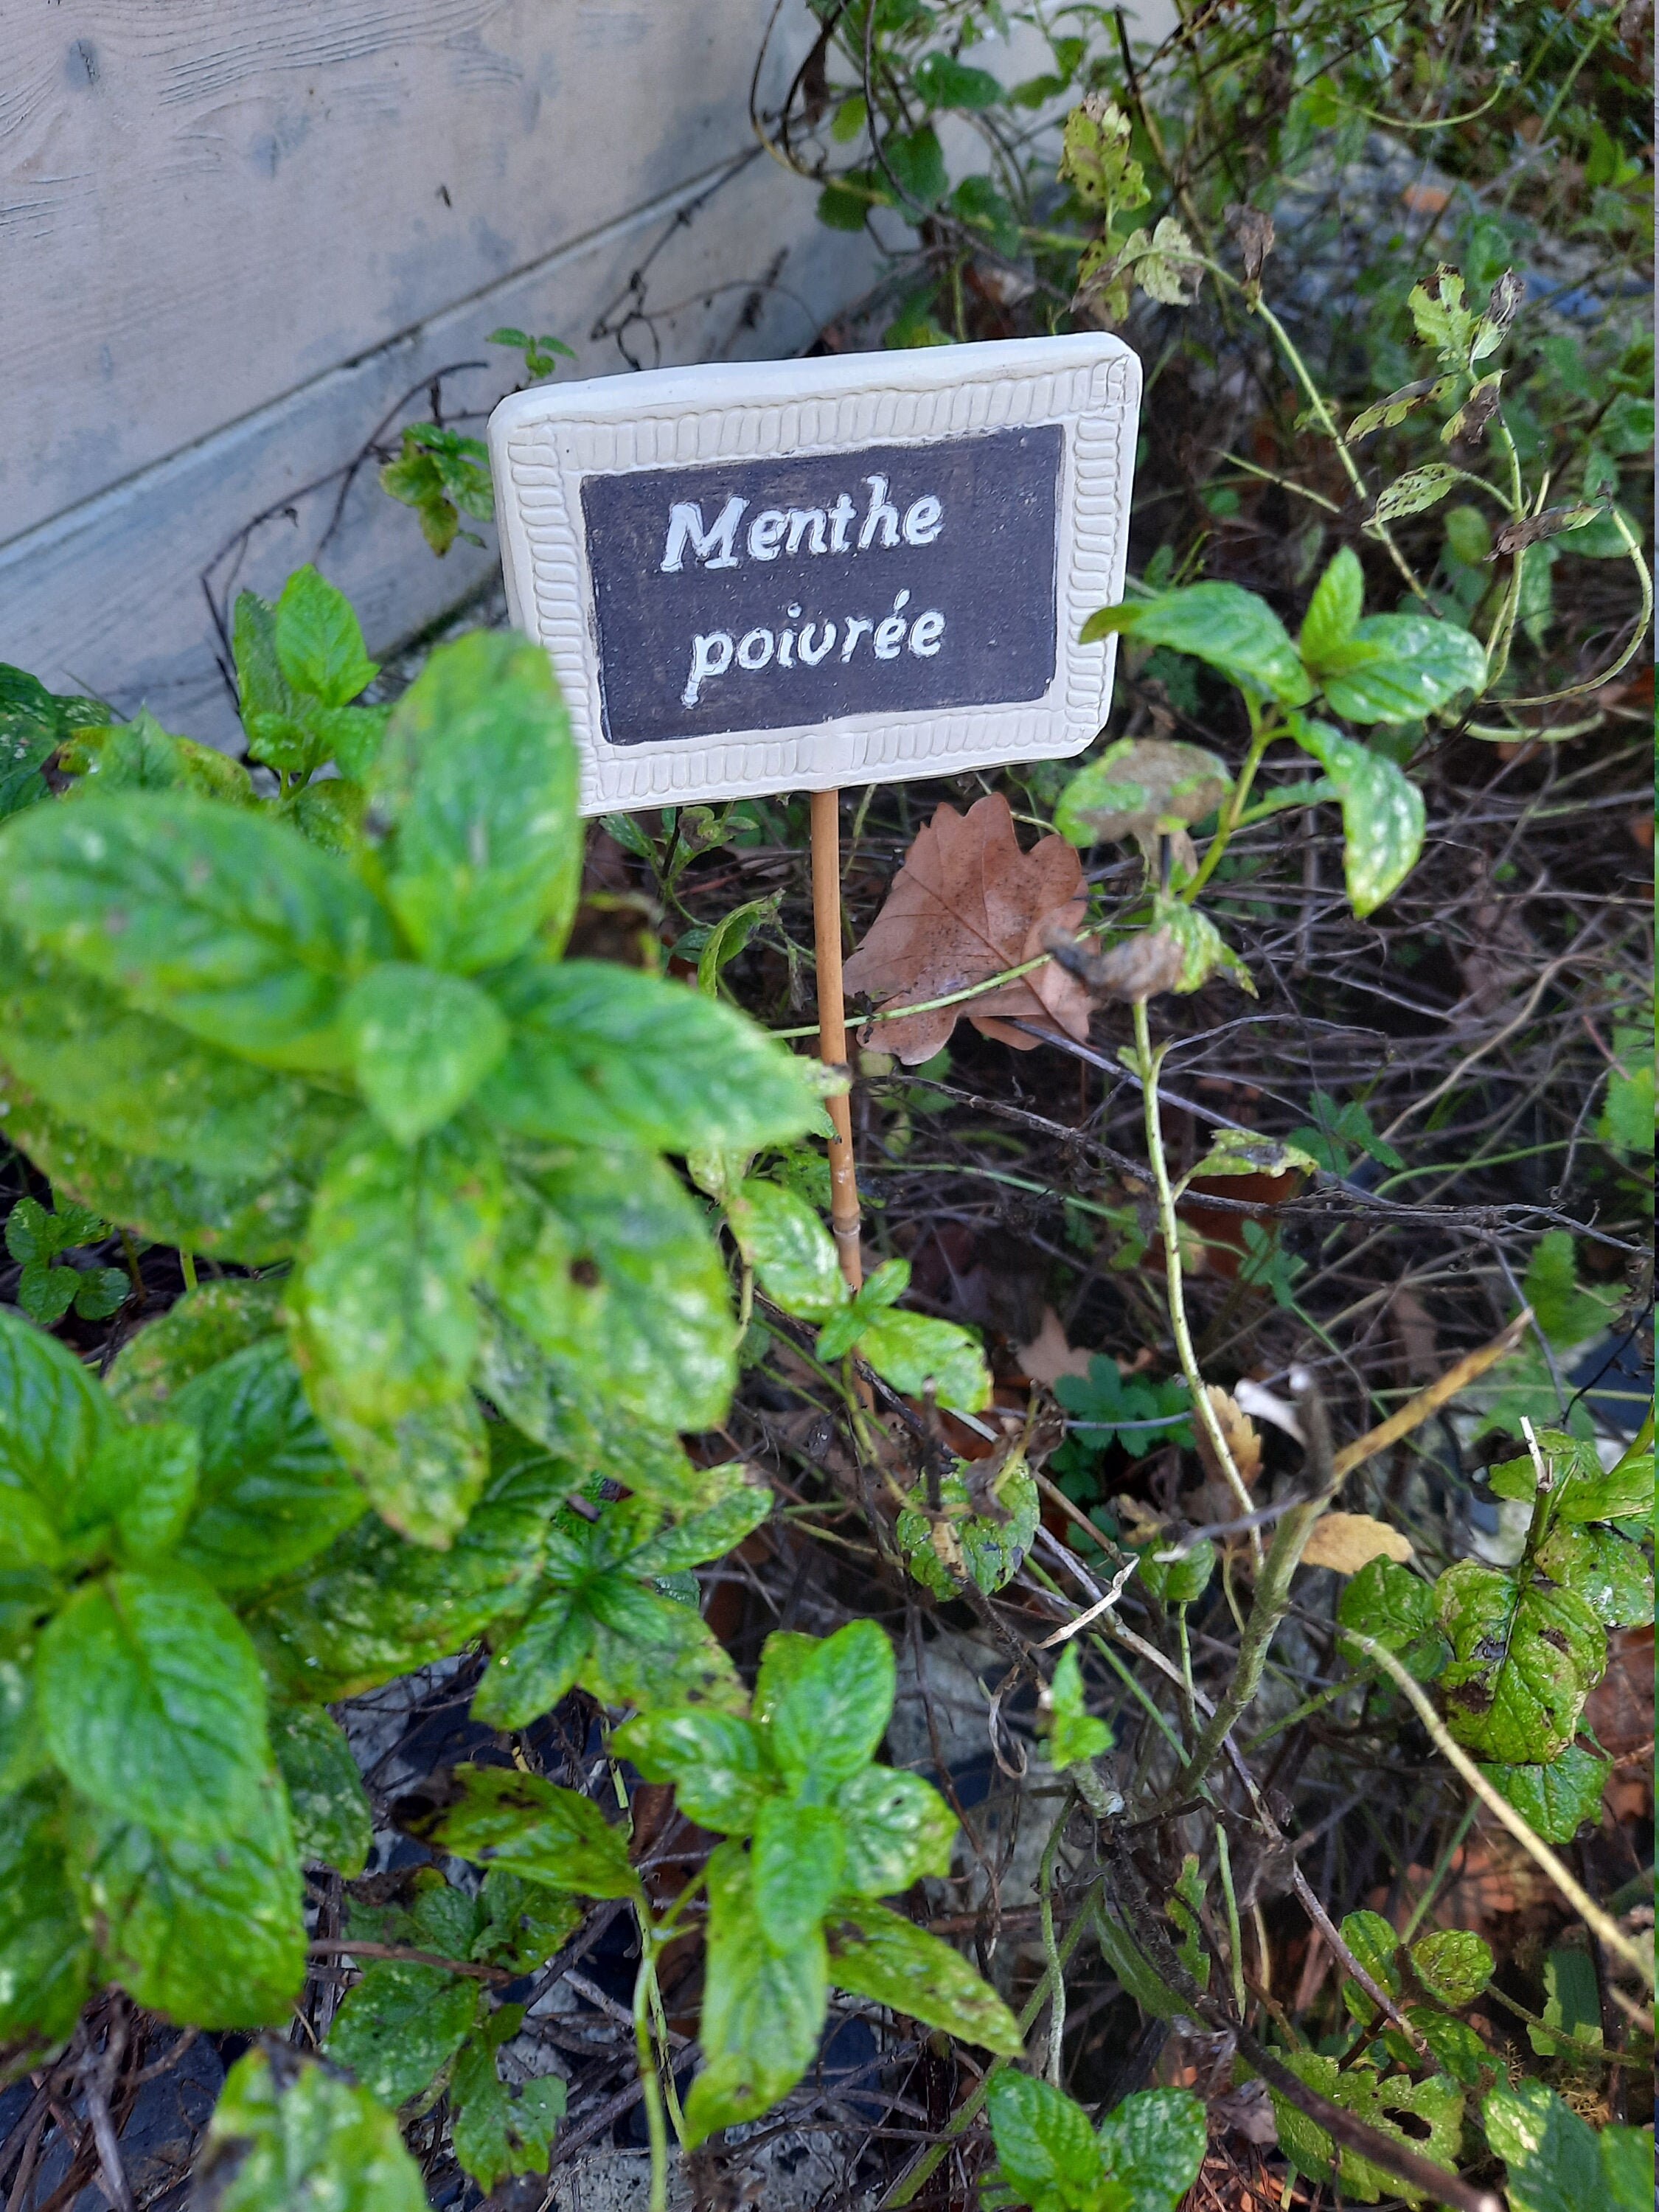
[[238, 236]]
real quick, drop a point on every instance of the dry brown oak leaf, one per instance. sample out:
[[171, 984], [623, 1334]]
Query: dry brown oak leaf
[[966, 905]]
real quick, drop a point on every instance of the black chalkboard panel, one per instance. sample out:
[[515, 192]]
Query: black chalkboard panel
[[770, 594]]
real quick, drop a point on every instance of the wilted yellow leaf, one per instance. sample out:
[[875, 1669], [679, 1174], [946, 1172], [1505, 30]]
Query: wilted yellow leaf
[[1348, 1542]]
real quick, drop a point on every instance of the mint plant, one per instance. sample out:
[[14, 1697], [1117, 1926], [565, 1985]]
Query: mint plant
[[1143, 2156], [47, 1283], [827, 1833], [1516, 1651]]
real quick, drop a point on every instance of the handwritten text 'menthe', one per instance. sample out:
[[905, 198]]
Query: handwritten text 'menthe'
[[795, 530]]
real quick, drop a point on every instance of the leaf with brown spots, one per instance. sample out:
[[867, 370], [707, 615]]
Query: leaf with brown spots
[[966, 905]]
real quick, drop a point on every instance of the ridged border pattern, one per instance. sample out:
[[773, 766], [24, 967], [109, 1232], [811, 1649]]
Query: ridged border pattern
[[543, 442]]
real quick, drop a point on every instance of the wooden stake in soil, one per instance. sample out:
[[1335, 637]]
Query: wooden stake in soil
[[844, 1216]]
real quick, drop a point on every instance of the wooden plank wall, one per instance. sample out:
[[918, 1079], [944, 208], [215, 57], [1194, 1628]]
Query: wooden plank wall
[[234, 234], [239, 236]]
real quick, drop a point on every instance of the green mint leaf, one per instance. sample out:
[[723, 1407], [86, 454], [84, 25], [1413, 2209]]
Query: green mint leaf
[[607, 1055], [531, 1668], [537, 1830], [607, 1265], [422, 1043], [762, 2009], [400, 2024], [731, 1505], [214, 917], [494, 2132], [100, 1292], [254, 1219], [373, 1606], [1338, 602], [917, 1355], [207, 1325], [1453, 1965], [137, 1490], [943, 81], [795, 1868], [1154, 2143], [273, 1490], [319, 641], [1453, 2045], [1567, 1312], [1230, 628], [477, 778], [1074, 1737], [525, 1922], [333, 1826], [1382, 812], [212, 1933], [717, 1762], [788, 1247], [47, 1957], [46, 1292], [1397, 668], [826, 1725], [263, 688], [1557, 1796], [31, 1233], [53, 1416], [1180, 1581], [1045, 2146], [151, 1698], [1552, 2157], [916, 166], [897, 1828], [383, 1306], [878, 1953], [1399, 1611], [653, 1650], [288, 2133], [145, 1086], [1374, 1944]]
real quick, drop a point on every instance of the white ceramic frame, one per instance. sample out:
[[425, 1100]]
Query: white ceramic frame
[[543, 443]]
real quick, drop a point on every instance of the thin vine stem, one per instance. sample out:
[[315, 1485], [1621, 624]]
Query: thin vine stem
[[1169, 1225]]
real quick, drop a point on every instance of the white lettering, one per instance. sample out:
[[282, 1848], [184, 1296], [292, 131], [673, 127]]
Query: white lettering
[[685, 524], [755, 649], [890, 635], [840, 521], [710, 656], [926, 632], [922, 521], [766, 534], [883, 515], [810, 653], [805, 519], [855, 629]]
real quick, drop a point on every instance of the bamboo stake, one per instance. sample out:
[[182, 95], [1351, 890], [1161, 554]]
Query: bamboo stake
[[844, 1215]]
